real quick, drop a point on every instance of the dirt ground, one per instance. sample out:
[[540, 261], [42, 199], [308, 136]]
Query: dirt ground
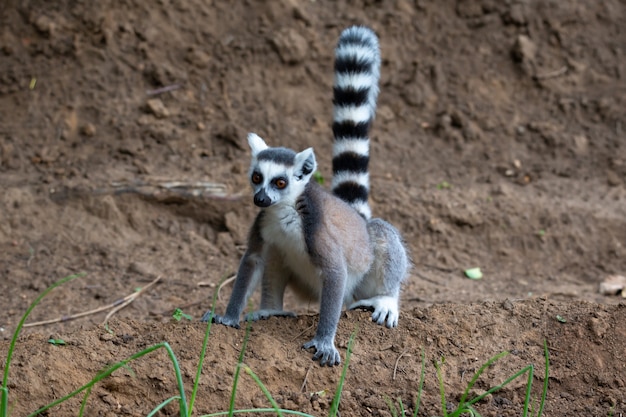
[[499, 144]]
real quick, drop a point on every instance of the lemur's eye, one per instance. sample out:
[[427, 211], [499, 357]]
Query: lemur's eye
[[280, 183], [257, 178]]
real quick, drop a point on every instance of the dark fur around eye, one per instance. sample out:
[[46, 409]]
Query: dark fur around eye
[[280, 183], [256, 178]]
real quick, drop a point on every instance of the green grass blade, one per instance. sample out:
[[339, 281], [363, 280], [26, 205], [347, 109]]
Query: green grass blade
[[473, 411], [18, 329], [163, 404], [502, 385], [257, 410], [442, 390], [392, 407], [83, 403], [263, 388], [334, 406], [4, 392], [418, 399], [4, 402], [231, 408], [401, 406], [205, 343], [544, 392], [529, 384], [108, 371], [478, 374]]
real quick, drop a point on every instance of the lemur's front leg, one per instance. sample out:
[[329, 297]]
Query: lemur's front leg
[[251, 269], [330, 310]]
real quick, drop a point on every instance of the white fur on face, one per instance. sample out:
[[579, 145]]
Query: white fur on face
[[270, 171]]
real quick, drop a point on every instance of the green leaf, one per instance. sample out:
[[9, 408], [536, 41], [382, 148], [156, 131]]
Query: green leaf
[[561, 319], [57, 341], [444, 185], [178, 315], [318, 177], [473, 273]]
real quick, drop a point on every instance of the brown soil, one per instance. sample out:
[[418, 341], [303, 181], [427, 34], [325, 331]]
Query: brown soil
[[499, 143]]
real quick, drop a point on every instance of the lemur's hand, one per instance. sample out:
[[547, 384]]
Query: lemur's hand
[[325, 352], [221, 320]]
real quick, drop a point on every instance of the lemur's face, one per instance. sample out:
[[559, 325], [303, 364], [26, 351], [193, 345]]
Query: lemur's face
[[278, 175]]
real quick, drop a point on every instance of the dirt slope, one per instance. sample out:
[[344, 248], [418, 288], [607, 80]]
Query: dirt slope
[[499, 143]]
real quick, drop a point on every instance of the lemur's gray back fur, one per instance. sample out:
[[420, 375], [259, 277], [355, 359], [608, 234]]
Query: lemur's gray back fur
[[357, 71]]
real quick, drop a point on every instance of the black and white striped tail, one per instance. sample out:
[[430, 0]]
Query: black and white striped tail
[[357, 70]]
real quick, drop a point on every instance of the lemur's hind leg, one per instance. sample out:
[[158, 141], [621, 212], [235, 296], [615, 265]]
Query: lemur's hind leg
[[380, 288], [275, 280]]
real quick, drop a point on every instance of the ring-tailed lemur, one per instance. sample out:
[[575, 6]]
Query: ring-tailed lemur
[[325, 246]]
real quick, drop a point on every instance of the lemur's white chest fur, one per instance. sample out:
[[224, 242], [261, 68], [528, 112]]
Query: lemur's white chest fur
[[282, 228]]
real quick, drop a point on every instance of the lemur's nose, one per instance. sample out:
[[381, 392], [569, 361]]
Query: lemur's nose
[[262, 200]]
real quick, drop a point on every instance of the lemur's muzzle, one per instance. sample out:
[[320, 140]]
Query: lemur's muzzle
[[261, 199]]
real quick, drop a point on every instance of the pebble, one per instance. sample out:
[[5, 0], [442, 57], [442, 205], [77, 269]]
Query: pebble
[[88, 130], [45, 25], [157, 108], [524, 49]]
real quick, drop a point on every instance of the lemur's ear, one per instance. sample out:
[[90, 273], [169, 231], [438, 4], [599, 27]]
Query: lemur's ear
[[256, 143], [304, 163]]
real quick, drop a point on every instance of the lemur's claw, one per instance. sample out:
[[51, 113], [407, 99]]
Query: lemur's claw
[[266, 314], [325, 352], [221, 320]]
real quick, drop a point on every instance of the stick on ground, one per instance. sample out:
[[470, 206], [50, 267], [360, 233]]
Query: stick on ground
[[116, 306]]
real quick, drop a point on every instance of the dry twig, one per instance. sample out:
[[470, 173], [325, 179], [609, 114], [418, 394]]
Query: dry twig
[[306, 376], [395, 368], [226, 281], [116, 306], [157, 189]]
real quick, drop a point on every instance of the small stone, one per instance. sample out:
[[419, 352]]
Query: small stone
[[106, 337], [198, 58], [612, 178], [142, 268], [581, 144], [45, 25], [88, 130], [524, 49], [157, 108]]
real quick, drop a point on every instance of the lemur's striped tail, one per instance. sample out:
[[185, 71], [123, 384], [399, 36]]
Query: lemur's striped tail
[[357, 70]]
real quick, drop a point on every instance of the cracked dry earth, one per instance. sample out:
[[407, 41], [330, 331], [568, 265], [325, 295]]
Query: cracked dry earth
[[499, 144]]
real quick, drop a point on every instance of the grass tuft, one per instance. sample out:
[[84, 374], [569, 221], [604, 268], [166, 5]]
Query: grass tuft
[[465, 406], [4, 390], [334, 406]]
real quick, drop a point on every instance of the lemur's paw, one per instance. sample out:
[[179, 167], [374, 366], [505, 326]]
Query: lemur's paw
[[325, 352], [266, 314], [221, 320], [385, 309]]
